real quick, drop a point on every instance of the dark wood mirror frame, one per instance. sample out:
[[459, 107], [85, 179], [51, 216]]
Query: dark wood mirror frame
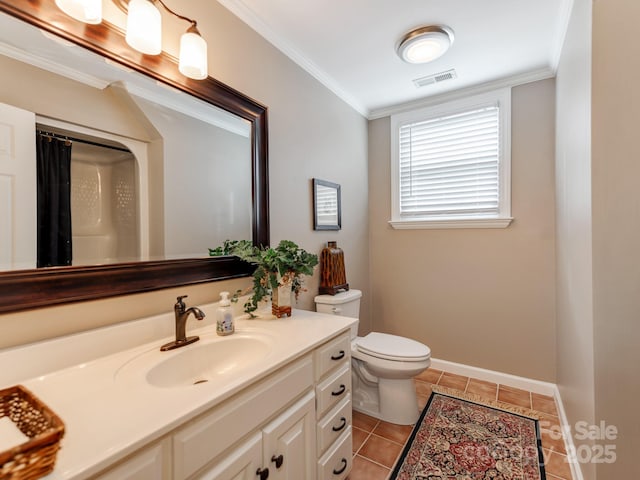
[[26, 289]]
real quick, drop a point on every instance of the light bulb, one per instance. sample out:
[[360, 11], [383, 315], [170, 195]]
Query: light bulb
[[86, 11], [144, 27], [193, 55], [425, 50]]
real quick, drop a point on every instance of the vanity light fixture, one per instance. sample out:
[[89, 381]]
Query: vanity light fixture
[[425, 44], [87, 11], [144, 27], [144, 30]]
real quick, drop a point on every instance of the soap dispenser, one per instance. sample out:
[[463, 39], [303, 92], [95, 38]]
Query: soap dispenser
[[224, 316]]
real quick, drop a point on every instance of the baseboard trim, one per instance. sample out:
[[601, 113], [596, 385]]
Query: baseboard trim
[[535, 386], [576, 471]]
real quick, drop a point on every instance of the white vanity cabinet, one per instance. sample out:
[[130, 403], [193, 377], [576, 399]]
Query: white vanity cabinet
[[295, 423]]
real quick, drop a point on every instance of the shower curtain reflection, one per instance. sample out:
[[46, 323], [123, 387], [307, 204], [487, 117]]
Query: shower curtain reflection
[[53, 201]]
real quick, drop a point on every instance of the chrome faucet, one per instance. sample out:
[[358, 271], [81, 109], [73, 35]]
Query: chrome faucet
[[182, 313]]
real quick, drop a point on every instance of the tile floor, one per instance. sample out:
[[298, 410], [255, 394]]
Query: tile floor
[[377, 444]]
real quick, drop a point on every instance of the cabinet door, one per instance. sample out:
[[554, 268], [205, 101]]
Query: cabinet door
[[241, 464], [289, 442]]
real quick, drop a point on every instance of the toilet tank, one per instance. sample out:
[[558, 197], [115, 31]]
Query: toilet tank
[[346, 304]]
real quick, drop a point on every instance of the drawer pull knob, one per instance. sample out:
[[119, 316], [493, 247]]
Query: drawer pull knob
[[277, 460], [341, 426], [263, 473], [340, 391], [340, 470], [340, 356]]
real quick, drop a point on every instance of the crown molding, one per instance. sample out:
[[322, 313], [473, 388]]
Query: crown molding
[[561, 32], [190, 107], [50, 66]]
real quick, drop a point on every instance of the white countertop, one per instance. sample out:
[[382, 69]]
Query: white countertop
[[89, 380]]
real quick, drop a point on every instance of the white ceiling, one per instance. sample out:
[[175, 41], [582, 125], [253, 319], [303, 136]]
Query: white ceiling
[[349, 45]]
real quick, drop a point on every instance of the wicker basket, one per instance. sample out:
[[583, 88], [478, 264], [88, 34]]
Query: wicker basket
[[36, 457]]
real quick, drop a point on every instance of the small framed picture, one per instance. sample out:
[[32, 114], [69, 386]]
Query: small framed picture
[[326, 205]]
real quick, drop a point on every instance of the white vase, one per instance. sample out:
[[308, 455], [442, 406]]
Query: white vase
[[281, 299], [264, 309]]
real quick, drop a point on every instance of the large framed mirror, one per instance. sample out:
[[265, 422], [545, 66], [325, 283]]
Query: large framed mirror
[[154, 262]]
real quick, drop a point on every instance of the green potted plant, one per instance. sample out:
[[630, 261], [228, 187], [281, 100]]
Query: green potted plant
[[279, 271]]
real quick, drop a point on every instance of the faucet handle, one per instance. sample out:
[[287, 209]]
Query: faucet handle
[[179, 303]]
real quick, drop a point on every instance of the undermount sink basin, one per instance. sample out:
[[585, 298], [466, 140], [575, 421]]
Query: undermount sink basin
[[200, 362]]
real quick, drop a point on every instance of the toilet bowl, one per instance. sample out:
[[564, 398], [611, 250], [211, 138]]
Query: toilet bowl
[[383, 365]]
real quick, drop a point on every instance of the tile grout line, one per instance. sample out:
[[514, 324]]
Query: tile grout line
[[360, 447], [388, 439], [362, 444], [373, 461], [369, 433]]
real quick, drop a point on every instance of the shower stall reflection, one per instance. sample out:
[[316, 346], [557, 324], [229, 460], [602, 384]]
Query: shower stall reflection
[[97, 190]]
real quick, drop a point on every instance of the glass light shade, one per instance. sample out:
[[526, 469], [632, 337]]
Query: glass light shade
[[144, 27], [193, 55], [425, 44], [86, 11]]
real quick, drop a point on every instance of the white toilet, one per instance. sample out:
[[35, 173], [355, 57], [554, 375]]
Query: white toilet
[[383, 365]]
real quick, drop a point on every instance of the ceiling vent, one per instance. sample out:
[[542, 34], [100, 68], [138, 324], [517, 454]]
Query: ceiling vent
[[435, 78]]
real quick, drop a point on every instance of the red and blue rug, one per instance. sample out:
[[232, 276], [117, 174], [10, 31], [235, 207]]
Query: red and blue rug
[[459, 439]]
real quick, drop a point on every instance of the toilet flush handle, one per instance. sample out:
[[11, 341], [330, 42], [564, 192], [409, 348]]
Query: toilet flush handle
[[336, 310]]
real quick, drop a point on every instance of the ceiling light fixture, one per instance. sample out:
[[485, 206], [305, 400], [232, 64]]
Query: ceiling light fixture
[[425, 44], [144, 30]]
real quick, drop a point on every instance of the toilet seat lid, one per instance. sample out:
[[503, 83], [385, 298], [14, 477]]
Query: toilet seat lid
[[393, 347]]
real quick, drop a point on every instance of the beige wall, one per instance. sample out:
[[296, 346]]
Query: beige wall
[[60, 98], [616, 228], [482, 297], [206, 182], [311, 133], [575, 367]]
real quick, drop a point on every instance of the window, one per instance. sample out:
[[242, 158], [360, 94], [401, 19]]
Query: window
[[450, 164]]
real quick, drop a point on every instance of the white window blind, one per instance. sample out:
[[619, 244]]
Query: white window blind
[[449, 165]]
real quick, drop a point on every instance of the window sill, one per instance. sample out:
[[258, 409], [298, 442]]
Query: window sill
[[451, 223]]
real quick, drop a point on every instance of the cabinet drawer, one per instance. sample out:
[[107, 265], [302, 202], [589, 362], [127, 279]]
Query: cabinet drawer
[[333, 389], [336, 463], [332, 354], [334, 424], [206, 437]]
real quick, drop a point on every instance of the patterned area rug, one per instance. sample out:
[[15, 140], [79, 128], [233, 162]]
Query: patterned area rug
[[459, 439]]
